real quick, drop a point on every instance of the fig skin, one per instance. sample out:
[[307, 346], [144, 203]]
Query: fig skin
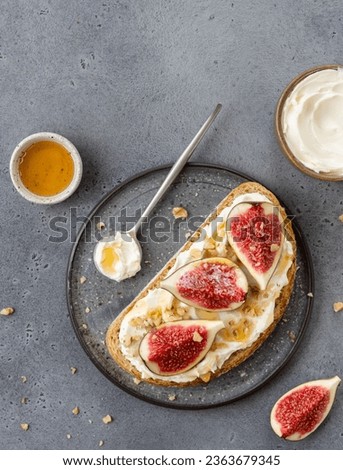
[[145, 351], [329, 385]]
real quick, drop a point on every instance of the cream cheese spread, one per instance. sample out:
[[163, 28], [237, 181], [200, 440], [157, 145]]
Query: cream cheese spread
[[312, 121]]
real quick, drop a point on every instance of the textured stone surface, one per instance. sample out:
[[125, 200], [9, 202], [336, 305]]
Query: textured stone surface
[[129, 83]]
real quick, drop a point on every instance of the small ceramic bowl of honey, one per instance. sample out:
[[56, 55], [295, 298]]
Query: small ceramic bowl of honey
[[46, 168]]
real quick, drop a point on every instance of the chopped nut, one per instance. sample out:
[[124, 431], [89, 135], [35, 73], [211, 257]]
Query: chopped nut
[[76, 410], [338, 306], [310, 294], [180, 311], [274, 247], [101, 443], [23, 401], [180, 213], [24, 426], [210, 244], [206, 377], [23, 379], [157, 321], [197, 337], [73, 370], [127, 341], [137, 322], [100, 225], [83, 279], [87, 309], [340, 218], [196, 253], [7, 311], [68, 436], [107, 419], [171, 397], [136, 381]]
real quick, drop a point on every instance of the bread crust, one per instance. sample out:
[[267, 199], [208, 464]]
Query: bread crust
[[112, 335]]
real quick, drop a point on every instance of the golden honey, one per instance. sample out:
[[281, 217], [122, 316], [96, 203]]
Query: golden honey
[[46, 168], [236, 331], [108, 259]]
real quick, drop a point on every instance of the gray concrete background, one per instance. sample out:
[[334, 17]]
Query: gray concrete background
[[129, 83]]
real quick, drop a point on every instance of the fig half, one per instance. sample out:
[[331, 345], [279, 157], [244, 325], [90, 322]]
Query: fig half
[[214, 284], [255, 233], [300, 411], [175, 347]]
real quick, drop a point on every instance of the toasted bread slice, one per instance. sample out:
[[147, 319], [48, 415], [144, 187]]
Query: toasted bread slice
[[237, 357]]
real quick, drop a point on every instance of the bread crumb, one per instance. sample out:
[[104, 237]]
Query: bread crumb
[[83, 279], [100, 225], [340, 218], [197, 337], [23, 378], [310, 294], [101, 443], [73, 370], [68, 436], [107, 419], [179, 213], [24, 426], [84, 326], [187, 235], [76, 410], [23, 401], [90, 421], [136, 381], [87, 309], [171, 397], [7, 311], [338, 306]]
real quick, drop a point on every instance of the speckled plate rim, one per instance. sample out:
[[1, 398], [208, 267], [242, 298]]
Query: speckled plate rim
[[310, 276], [278, 124]]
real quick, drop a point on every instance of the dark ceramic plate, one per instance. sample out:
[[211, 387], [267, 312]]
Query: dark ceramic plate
[[95, 303]]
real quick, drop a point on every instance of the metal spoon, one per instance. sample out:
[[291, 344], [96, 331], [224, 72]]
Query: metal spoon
[[129, 249]]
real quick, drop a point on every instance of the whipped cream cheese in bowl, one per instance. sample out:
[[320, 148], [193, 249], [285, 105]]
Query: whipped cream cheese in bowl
[[309, 122]]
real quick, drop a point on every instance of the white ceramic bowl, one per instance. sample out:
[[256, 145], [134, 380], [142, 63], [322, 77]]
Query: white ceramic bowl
[[14, 168]]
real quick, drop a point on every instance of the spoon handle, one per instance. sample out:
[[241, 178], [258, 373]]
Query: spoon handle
[[177, 167]]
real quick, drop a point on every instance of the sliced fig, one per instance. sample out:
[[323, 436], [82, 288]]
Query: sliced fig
[[210, 284], [178, 346], [255, 233], [300, 411]]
